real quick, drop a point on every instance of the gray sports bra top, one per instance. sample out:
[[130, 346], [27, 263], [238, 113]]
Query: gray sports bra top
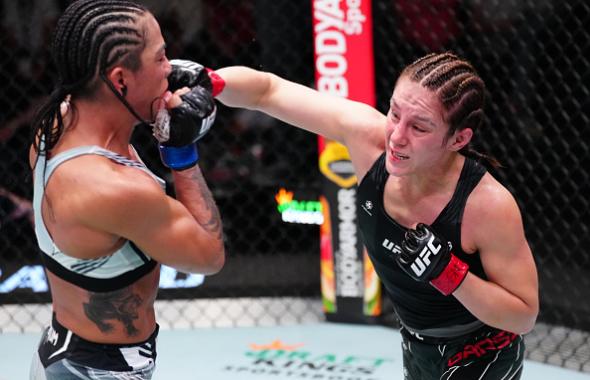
[[103, 274]]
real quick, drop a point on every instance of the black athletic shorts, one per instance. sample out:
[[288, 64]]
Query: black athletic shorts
[[62, 355], [485, 354]]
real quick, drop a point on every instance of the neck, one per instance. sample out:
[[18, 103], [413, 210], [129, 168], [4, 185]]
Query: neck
[[104, 123], [438, 178]]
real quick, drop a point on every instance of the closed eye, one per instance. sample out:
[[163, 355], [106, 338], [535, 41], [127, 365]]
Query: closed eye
[[394, 115], [161, 54], [162, 57]]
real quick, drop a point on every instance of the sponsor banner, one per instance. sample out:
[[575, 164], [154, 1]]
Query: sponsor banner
[[286, 360], [312, 351], [30, 280], [298, 211], [343, 48]]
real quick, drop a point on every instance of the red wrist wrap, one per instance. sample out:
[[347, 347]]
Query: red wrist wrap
[[217, 82], [451, 277]]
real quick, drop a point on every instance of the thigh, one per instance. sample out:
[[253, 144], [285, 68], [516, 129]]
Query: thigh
[[421, 361]]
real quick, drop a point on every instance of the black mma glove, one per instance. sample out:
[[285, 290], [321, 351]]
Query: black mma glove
[[189, 74], [427, 257], [179, 128]]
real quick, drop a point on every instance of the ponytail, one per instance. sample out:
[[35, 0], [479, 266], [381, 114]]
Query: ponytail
[[487, 160], [48, 124]]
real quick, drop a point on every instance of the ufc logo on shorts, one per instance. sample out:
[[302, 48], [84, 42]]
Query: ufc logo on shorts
[[423, 260], [52, 336]]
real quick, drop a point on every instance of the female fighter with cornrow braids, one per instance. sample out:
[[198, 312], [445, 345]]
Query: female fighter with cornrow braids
[[102, 219], [446, 238]]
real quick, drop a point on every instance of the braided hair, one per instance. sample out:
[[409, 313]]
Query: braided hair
[[91, 36], [460, 90]]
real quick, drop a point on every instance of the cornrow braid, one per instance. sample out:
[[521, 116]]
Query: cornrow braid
[[460, 90], [90, 37]]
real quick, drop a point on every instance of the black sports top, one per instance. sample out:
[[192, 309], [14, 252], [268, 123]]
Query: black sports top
[[419, 306]]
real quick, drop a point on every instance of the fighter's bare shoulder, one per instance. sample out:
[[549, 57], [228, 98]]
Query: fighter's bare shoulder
[[102, 193], [491, 212], [366, 142]]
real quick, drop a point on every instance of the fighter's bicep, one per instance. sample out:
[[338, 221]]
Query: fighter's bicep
[[505, 253]]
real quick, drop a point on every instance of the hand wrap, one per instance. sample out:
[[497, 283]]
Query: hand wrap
[[181, 127]]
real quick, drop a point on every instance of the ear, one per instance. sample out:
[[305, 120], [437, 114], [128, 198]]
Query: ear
[[460, 139], [117, 78]]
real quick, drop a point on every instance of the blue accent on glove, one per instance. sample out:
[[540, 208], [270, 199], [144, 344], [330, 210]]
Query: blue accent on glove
[[179, 157]]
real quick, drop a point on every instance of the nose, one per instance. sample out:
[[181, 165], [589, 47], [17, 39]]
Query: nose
[[168, 67], [398, 134]]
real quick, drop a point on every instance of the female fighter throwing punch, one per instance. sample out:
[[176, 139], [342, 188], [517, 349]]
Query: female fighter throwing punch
[[445, 237]]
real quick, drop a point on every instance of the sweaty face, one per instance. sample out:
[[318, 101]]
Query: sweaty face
[[415, 131], [149, 82]]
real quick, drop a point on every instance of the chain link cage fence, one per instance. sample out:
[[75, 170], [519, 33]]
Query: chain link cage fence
[[533, 54]]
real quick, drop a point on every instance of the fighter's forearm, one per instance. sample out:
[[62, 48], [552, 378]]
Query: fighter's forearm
[[244, 87], [192, 191]]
